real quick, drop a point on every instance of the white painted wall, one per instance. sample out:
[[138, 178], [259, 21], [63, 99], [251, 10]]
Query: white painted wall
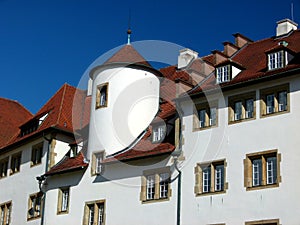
[[133, 101]]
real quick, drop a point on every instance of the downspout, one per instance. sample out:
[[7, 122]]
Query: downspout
[[178, 212], [43, 178], [176, 155]]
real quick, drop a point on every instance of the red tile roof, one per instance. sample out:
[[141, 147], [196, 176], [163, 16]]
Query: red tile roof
[[60, 112], [127, 54], [253, 58], [68, 164], [12, 115]]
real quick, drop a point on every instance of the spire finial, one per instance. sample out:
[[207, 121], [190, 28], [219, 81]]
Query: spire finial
[[129, 30]]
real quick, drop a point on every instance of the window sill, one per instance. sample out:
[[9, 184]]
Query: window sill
[[33, 165], [241, 120], [33, 218], [274, 113], [195, 129], [63, 212], [210, 193], [262, 187], [156, 200]]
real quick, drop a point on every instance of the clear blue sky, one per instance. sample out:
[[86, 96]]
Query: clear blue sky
[[44, 44]]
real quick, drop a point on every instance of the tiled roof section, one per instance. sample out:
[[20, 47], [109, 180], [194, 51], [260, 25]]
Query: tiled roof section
[[68, 164], [144, 148], [173, 74], [127, 54], [253, 58], [12, 115], [60, 112]]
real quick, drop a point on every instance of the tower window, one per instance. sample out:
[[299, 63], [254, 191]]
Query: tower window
[[102, 96]]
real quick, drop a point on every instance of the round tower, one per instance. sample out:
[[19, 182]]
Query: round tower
[[125, 100]]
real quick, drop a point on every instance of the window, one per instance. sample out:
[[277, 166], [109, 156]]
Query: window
[[223, 74], [36, 154], [15, 163], [94, 213], [158, 132], [35, 206], [276, 60], [210, 177], [3, 168], [275, 100], [262, 169], [206, 116], [102, 95], [5, 213], [156, 185], [63, 200], [264, 222], [241, 107], [97, 166]]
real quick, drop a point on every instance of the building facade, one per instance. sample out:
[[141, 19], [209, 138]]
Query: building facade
[[211, 140]]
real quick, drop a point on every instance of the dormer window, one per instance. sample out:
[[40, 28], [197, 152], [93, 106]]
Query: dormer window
[[158, 132], [223, 74], [102, 95], [276, 60]]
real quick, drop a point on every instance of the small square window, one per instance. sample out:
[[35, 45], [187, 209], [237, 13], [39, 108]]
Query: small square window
[[206, 116], [35, 206], [97, 166], [274, 100], [36, 154], [155, 185], [102, 96], [94, 213], [223, 74], [158, 132], [63, 200], [262, 169], [3, 168], [5, 213], [210, 177], [241, 107], [15, 163], [276, 60]]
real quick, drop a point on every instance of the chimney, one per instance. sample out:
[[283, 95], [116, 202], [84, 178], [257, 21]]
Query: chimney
[[229, 48], [285, 26], [218, 56], [185, 57], [241, 40]]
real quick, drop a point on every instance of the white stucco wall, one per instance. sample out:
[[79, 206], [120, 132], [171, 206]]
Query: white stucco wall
[[133, 101]]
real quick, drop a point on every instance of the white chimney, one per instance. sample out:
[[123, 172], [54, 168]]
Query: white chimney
[[285, 26], [185, 57]]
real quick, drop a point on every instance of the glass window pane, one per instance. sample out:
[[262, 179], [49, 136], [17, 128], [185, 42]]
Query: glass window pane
[[271, 170], [213, 117], [238, 109], [249, 108], [256, 172], [219, 178], [270, 103], [282, 101], [206, 179], [202, 117]]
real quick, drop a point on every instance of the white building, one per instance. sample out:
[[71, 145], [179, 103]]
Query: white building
[[223, 152]]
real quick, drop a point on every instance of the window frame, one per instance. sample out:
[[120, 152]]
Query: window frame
[[3, 162], [160, 189], [223, 74], [159, 131], [262, 156], [6, 209], [32, 206], [38, 148], [211, 188], [275, 90], [265, 222], [100, 105], [13, 168], [96, 206], [208, 108], [94, 164], [61, 198], [243, 98], [277, 60]]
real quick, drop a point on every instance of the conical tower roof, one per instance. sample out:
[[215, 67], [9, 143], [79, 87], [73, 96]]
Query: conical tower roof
[[128, 54]]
